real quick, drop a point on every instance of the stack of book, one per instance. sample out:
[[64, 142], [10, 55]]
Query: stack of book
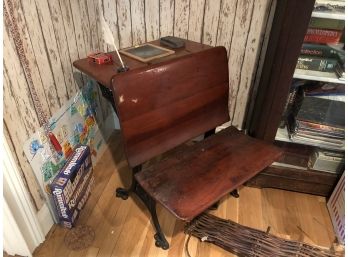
[[330, 6], [327, 161], [330, 91], [318, 122], [322, 50]]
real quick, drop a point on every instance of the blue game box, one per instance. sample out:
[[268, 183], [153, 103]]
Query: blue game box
[[72, 185]]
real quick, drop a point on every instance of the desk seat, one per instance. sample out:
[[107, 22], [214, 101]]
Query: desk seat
[[163, 104], [188, 181]]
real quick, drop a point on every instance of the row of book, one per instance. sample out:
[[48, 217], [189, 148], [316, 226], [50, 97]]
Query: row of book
[[308, 88], [315, 113], [324, 31], [330, 6], [322, 50], [324, 58]]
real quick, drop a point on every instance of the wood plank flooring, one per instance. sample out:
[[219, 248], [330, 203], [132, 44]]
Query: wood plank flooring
[[122, 228]]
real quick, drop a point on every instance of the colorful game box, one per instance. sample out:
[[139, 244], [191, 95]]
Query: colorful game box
[[72, 185]]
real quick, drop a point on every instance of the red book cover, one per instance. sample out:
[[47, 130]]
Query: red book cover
[[321, 39], [323, 36]]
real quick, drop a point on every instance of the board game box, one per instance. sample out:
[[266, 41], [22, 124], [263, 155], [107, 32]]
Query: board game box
[[72, 185]]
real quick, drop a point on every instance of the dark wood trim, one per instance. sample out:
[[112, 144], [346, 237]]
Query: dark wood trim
[[289, 27], [304, 181]]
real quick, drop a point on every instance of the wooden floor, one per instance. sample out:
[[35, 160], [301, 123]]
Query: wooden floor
[[122, 228]]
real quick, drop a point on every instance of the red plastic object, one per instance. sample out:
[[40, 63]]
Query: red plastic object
[[100, 58], [55, 142]]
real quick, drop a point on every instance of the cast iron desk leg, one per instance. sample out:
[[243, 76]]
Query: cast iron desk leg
[[124, 193], [149, 202], [235, 193]]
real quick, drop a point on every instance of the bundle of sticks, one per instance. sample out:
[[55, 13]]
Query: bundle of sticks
[[246, 241]]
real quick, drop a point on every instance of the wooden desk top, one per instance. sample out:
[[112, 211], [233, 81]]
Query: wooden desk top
[[194, 177], [104, 72]]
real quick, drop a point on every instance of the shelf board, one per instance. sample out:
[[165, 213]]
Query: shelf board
[[328, 15], [289, 166], [283, 135], [317, 76]]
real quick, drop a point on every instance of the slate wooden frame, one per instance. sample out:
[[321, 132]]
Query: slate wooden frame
[[139, 58]]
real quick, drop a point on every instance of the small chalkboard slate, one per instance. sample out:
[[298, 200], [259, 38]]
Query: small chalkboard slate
[[146, 52]]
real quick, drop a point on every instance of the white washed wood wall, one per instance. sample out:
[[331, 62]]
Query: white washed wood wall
[[55, 33]]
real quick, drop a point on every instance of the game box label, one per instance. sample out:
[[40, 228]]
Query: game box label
[[72, 185]]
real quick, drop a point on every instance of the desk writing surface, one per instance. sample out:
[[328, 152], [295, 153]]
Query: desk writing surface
[[104, 72]]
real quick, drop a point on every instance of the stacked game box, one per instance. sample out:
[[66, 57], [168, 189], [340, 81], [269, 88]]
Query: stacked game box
[[72, 185]]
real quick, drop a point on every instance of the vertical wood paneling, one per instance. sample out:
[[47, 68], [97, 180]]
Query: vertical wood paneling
[[92, 8], [211, 20], [138, 21], [52, 49], [124, 23], [238, 50], [166, 17], [17, 134], [55, 33], [196, 20], [28, 49], [77, 22], [70, 35], [226, 21], [39, 47], [63, 49], [152, 19], [86, 30], [100, 11], [110, 16], [253, 47], [19, 89], [181, 18], [82, 39]]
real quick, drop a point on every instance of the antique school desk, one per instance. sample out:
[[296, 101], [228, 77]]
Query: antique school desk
[[163, 104]]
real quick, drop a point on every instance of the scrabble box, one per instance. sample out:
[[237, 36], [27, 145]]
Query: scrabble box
[[72, 185]]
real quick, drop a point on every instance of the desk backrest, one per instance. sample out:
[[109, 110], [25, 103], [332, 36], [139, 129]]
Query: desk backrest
[[164, 105]]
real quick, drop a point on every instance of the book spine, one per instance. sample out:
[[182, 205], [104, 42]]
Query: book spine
[[320, 39], [318, 50], [323, 36], [341, 59], [321, 23], [333, 6], [340, 72], [317, 64], [289, 104], [324, 32], [318, 126]]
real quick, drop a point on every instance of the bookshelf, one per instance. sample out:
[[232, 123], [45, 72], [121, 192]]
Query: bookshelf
[[283, 135], [285, 43], [328, 15], [330, 77], [303, 123], [307, 77]]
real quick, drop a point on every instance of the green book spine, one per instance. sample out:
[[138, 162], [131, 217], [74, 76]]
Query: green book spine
[[316, 63], [319, 50], [326, 23]]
